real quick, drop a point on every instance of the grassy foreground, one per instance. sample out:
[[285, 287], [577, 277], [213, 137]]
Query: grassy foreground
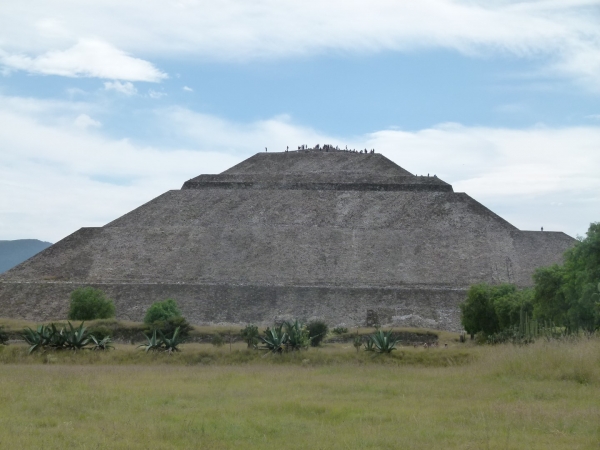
[[544, 396]]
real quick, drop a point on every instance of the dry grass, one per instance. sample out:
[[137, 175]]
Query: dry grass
[[544, 396], [133, 331]]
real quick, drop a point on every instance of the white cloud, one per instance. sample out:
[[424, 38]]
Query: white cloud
[[79, 177], [85, 121], [126, 88], [155, 94], [87, 58], [563, 33], [188, 89]]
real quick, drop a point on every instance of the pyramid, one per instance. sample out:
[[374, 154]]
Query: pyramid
[[346, 237]]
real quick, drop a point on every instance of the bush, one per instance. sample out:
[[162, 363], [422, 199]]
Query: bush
[[89, 303], [3, 336], [162, 311], [250, 335], [100, 331], [168, 327], [340, 330], [217, 340], [317, 330], [491, 309]]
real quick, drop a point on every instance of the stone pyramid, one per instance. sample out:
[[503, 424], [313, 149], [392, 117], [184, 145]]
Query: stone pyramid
[[346, 237]]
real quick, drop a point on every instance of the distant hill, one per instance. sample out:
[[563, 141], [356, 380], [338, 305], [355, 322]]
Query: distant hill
[[15, 252]]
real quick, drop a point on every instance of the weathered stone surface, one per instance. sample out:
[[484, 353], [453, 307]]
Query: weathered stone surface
[[296, 234]]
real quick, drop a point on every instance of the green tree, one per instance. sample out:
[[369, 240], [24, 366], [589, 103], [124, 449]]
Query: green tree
[[477, 311], [162, 311], [509, 304], [88, 303], [568, 294]]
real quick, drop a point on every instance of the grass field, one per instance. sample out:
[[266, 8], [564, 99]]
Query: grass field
[[543, 396]]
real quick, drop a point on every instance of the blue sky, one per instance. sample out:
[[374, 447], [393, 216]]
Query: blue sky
[[105, 106]]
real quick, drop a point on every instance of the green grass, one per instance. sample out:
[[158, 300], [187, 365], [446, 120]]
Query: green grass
[[543, 396]]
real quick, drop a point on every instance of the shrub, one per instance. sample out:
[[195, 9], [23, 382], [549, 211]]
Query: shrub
[[357, 342], [168, 327], [250, 335], [162, 311], [340, 330], [3, 336], [317, 330], [100, 331], [217, 340], [89, 303]]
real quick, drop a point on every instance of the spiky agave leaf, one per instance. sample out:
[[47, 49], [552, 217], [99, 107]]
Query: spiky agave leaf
[[369, 346], [34, 338], [76, 338], [384, 341], [153, 343], [274, 339], [172, 345], [56, 338], [297, 336], [102, 344]]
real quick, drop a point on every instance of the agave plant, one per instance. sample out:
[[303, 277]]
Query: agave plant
[[369, 346], [75, 338], [297, 336], [56, 338], [171, 345], [37, 339], [274, 339], [383, 341], [101, 344], [153, 343]]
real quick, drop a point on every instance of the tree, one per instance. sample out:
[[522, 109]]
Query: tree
[[548, 299], [162, 311], [477, 311], [88, 303], [568, 294]]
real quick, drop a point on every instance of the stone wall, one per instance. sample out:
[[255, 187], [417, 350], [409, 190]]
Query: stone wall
[[262, 305]]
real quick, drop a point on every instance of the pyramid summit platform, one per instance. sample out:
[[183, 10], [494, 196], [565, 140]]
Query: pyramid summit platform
[[350, 238]]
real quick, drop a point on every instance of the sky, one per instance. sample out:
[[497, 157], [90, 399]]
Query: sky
[[106, 105]]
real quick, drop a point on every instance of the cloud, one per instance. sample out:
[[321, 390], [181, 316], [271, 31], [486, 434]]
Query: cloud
[[85, 121], [87, 58], [81, 176], [126, 88], [563, 35], [155, 94], [188, 89]]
